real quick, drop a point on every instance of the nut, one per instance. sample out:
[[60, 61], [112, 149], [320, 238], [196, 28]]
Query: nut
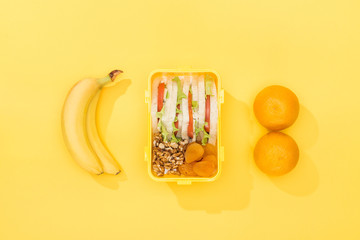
[[174, 145], [167, 156]]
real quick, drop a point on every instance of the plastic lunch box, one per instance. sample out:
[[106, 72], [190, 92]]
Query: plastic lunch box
[[148, 148]]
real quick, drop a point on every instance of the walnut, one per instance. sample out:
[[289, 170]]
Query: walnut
[[174, 145], [167, 156]]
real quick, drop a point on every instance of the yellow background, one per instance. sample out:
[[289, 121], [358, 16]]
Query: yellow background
[[309, 46]]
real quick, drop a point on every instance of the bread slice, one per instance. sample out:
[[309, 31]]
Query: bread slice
[[180, 115], [201, 103], [154, 102], [170, 107], [184, 109], [195, 98], [213, 114]]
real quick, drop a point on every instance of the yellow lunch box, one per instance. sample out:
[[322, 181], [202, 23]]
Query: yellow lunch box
[[148, 148]]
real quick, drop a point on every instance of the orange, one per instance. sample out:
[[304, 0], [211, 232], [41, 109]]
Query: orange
[[276, 153], [276, 107]]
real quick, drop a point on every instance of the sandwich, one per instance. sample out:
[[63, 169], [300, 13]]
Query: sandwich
[[185, 108]]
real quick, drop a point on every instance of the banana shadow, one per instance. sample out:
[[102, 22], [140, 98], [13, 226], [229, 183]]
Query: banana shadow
[[232, 190], [107, 100]]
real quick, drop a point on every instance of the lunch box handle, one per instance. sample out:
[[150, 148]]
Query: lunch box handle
[[184, 182], [222, 96], [147, 96], [146, 154]]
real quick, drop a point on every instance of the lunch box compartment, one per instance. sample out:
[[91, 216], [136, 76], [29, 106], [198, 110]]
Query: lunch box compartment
[[148, 148]]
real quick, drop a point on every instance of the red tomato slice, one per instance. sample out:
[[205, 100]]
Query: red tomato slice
[[207, 113], [177, 122], [161, 90], [191, 124]]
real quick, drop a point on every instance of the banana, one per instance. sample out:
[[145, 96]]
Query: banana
[[108, 162], [74, 118]]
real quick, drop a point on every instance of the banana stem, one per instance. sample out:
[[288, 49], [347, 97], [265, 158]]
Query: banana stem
[[114, 74], [109, 78]]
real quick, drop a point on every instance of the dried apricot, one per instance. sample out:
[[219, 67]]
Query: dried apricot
[[211, 158], [204, 168], [186, 169], [194, 152], [209, 149]]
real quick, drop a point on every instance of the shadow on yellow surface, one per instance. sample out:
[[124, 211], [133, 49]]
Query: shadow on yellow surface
[[301, 181], [110, 181], [304, 179], [305, 130], [108, 97], [232, 190]]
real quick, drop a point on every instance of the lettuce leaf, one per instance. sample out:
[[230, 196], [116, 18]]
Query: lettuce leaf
[[161, 113], [174, 139], [208, 84], [178, 110], [195, 104], [163, 131], [205, 139], [180, 93], [202, 129], [174, 128], [195, 127]]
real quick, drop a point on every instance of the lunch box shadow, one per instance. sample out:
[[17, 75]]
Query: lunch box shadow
[[232, 190]]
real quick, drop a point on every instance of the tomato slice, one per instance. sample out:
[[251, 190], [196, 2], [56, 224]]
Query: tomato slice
[[177, 122], [191, 123], [207, 114], [161, 90]]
